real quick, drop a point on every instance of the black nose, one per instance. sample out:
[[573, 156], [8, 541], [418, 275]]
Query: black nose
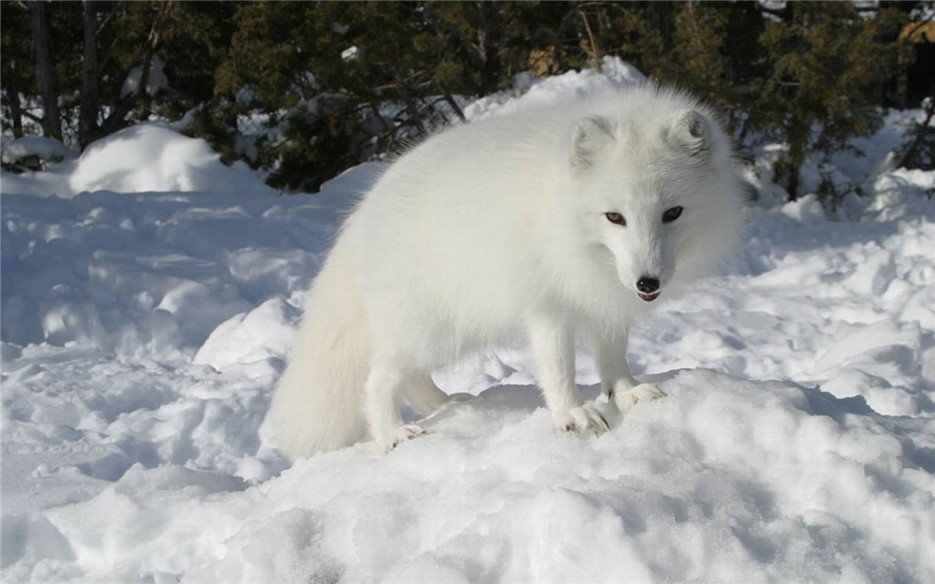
[[647, 284]]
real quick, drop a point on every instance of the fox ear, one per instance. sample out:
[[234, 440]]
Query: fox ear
[[691, 131], [592, 136]]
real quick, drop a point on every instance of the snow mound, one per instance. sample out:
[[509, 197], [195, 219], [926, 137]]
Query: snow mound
[[528, 92], [900, 194], [263, 333], [142, 158], [678, 492], [149, 157]]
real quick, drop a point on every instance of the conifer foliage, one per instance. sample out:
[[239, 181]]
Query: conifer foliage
[[303, 90]]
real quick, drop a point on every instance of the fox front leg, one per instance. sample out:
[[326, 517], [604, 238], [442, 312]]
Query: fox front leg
[[553, 345], [617, 383]]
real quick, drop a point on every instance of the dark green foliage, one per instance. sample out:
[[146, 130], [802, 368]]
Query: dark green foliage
[[188, 37], [828, 65], [343, 82], [809, 75], [302, 90]]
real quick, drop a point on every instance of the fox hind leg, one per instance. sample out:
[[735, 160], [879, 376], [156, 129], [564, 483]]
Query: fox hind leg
[[422, 394], [427, 399], [382, 408]]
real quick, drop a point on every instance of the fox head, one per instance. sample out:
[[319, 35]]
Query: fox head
[[658, 193]]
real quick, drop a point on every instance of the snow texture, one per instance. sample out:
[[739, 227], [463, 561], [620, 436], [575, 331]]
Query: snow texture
[[42, 148], [142, 158], [148, 308]]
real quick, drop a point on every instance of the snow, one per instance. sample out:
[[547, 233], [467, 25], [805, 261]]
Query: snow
[[156, 79], [150, 294], [42, 148], [528, 92], [160, 160]]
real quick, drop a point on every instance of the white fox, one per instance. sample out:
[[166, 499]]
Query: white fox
[[544, 223]]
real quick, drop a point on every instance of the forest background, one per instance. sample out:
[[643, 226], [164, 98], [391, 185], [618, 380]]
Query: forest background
[[301, 91]]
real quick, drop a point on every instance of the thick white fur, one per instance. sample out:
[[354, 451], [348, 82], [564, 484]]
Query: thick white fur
[[495, 230]]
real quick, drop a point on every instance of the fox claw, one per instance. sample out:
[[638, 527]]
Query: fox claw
[[584, 418], [404, 434], [625, 400]]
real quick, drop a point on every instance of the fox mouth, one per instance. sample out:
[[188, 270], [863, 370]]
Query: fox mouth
[[648, 297]]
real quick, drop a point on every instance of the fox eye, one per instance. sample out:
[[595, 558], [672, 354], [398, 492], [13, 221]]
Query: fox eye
[[671, 214], [615, 218]]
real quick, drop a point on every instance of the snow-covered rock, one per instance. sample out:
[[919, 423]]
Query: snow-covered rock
[[42, 149]]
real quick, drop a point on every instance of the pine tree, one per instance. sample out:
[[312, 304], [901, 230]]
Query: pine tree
[[303, 90], [827, 66]]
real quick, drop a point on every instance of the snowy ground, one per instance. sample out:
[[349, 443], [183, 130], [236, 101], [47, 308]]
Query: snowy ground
[[143, 333]]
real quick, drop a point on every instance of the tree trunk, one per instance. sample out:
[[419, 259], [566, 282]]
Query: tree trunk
[[90, 96], [488, 42], [45, 72]]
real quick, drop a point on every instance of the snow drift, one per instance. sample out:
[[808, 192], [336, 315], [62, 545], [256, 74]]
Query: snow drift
[[147, 157]]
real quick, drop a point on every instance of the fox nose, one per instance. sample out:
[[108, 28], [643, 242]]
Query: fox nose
[[647, 284]]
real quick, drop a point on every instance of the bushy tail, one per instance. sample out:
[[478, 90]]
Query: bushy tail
[[318, 404]]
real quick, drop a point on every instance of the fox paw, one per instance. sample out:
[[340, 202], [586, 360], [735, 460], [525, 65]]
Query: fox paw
[[402, 434], [625, 400], [584, 418]]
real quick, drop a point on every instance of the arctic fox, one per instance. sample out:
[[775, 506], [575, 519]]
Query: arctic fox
[[572, 218]]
